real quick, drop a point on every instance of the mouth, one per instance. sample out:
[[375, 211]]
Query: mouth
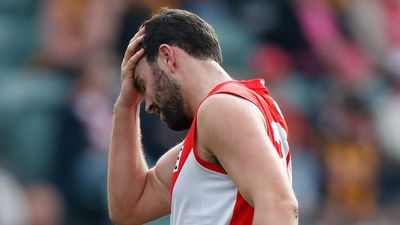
[[157, 111], [162, 118]]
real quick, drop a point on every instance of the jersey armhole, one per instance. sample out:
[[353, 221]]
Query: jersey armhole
[[210, 165]]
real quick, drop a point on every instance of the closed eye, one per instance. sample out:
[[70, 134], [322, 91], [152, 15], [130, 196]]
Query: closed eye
[[139, 84]]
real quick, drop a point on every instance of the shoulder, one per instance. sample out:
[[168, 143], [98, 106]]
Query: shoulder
[[223, 117], [220, 107]]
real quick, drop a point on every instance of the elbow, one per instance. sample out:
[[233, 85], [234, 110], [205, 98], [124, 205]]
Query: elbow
[[276, 210], [290, 208], [116, 218], [121, 218], [293, 207]]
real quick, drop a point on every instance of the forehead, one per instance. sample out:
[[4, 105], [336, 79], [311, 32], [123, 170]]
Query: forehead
[[143, 69]]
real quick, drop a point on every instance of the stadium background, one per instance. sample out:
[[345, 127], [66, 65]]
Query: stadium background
[[333, 65]]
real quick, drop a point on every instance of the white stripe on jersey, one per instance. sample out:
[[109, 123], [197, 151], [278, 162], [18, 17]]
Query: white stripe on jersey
[[202, 196]]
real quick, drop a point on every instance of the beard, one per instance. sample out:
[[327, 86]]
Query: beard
[[168, 98]]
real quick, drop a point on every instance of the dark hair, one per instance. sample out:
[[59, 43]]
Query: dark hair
[[182, 29]]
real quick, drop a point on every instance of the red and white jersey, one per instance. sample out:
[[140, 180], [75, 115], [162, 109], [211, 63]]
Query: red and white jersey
[[202, 192]]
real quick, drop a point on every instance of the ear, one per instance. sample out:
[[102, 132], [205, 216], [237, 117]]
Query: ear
[[167, 57]]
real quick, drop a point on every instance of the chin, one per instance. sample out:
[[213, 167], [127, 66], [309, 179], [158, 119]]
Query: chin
[[179, 125], [176, 127]]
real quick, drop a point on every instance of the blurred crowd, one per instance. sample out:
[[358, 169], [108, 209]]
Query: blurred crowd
[[332, 65]]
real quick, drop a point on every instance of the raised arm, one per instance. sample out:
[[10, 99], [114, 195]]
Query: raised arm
[[136, 194], [233, 130]]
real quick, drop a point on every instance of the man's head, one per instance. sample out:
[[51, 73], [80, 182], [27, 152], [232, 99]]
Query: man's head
[[167, 34], [182, 29]]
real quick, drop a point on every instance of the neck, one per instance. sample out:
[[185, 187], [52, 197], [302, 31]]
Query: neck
[[200, 78]]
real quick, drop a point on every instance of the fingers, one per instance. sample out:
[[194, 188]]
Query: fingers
[[129, 95], [133, 61], [140, 32], [133, 45], [131, 49]]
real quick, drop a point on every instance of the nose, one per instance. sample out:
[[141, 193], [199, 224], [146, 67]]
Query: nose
[[149, 108]]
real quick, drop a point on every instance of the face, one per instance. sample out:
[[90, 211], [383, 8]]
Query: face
[[163, 95]]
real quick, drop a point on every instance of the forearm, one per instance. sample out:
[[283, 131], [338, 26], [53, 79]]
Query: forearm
[[127, 169], [281, 213]]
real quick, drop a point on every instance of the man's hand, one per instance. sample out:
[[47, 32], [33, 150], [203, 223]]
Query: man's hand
[[129, 97]]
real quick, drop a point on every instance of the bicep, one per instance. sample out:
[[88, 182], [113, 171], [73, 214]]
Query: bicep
[[240, 142], [155, 200]]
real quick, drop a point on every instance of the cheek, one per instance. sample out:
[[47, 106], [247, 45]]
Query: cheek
[[159, 94], [157, 97], [161, 101]]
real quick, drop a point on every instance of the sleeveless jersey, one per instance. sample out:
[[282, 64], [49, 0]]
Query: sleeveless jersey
[[202, 192]]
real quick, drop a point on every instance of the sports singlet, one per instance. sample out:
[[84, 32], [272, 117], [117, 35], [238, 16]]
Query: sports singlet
[[202, 192]]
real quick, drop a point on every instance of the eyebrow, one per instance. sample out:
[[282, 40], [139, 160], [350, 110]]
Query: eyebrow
[[138, 82]]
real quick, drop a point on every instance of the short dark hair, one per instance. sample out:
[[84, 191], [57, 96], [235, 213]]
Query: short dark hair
[[182, 29]]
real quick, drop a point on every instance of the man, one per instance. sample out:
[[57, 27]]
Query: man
[[234, 165]]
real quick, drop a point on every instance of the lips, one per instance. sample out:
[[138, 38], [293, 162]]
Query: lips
[[157, 111]]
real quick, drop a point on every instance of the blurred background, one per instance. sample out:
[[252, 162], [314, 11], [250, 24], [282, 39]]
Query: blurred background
[[332, 65]]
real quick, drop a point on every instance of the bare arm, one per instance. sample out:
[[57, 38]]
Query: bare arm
[[233, 129], [136, 194]]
